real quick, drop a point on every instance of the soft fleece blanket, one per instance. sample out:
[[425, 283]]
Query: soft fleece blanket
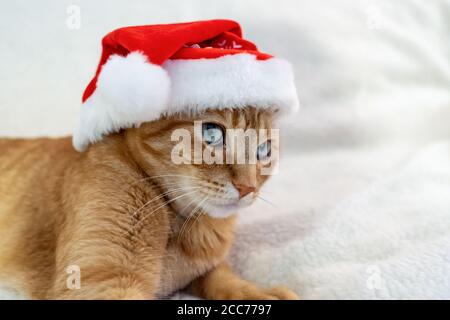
[[360, 207], [362, 201]]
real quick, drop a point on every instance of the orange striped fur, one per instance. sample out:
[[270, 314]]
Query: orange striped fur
[[112, 211]]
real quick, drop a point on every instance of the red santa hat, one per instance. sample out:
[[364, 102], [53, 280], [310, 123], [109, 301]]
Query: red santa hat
[[149, 71]]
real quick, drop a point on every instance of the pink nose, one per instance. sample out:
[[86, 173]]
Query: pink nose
[[244, 189]]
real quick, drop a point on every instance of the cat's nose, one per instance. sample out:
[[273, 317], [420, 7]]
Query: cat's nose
[[244, 189]]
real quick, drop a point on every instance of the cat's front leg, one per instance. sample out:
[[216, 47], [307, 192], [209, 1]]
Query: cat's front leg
[[107, 276], [222, 284], [120, 285], [99, 261]]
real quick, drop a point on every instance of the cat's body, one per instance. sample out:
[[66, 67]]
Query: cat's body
[[38, 220], [110, 212]]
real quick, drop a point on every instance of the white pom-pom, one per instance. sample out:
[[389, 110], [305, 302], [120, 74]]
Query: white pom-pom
[[135, 89]]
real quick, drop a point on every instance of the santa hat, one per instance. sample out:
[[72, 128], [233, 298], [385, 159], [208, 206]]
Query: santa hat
[[149, 71]]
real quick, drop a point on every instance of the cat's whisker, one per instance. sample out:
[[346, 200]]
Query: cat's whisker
[[187, 206], [172, 175], [162, 195], [183, 227], [200, 213], [163, 205], [165, 176], [164, 185], [186, 221], [198, 181], [195, 184], [174, 184], [267, 201]]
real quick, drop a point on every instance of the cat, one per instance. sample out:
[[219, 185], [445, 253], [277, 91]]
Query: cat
[[133, 224]]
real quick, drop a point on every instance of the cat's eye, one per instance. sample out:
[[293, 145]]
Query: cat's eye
[[212, 134], [264, 151]]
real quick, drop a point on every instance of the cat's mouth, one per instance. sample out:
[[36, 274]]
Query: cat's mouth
[[220, 209], [219, 203]]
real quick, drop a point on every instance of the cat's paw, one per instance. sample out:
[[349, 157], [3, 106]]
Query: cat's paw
[[282, 293], [258, 293]]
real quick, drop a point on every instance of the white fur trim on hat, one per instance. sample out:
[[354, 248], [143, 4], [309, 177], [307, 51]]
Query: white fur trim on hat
[[130, 90], [232, 81]]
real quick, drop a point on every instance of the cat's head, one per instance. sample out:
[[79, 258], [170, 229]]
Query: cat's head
[[199, 162]]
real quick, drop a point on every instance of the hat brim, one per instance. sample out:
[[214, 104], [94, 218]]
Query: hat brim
[[130, 90]]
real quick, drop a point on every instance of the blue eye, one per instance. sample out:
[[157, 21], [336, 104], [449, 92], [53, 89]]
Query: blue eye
[[212, 134], [264, 150]]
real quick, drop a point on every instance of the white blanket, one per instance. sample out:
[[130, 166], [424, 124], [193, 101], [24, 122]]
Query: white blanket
[[364, 202], [390, 240], [363, 194], [366, 198], [361, 205]]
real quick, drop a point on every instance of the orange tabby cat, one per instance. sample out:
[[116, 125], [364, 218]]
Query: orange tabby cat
[[136, 225]]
